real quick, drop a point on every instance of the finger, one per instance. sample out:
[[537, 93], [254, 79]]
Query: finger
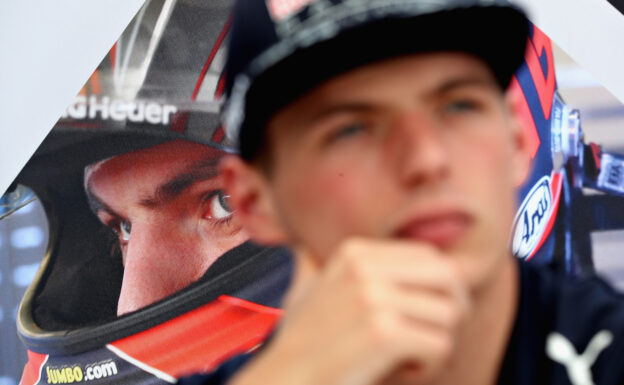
[[439, 310], [405, 263]]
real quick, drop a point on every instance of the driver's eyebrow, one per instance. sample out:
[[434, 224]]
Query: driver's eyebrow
[[169, 190], [96, 204]]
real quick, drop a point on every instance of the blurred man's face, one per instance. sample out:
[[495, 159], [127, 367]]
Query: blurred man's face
[[168, 208], [422, 148]]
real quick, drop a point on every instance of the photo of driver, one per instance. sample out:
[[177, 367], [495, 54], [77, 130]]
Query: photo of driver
[[148, 275]]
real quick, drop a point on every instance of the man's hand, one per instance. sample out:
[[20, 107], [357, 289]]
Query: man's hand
[[379, 311]]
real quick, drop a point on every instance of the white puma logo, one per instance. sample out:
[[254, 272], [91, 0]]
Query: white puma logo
[[561, 350]]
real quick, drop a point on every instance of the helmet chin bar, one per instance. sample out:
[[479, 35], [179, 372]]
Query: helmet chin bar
[[16, 197]]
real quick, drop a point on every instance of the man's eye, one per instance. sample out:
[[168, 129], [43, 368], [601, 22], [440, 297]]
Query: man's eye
[[122, 228], [459, 106], [219, 207], [347, 131]]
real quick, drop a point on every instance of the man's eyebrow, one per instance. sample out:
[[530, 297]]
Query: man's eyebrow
[[447, 86], [96, 204], [464, 81], [200, 170]]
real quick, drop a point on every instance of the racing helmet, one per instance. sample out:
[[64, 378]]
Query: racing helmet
[[160, 82]]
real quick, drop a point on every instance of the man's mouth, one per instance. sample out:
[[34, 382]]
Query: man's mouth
[[441, 229]]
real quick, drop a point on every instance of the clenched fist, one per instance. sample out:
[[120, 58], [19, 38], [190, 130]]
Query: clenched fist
[[376, 312]]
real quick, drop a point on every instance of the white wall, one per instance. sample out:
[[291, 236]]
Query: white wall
[[49, 49], [590, 31]]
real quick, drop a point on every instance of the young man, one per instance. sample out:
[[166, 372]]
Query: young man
[[378, 140], [140, 147]]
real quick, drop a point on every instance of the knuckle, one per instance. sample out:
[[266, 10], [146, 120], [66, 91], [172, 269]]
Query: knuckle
[[350, 247], [355, 259], [354, 271], [354, 268], [383, 329]]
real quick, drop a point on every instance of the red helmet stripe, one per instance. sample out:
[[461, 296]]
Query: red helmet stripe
[[211, 334], [211, 57], [545, 83], [32, 370]]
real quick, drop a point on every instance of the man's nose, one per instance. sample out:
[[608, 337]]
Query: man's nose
[[145, 279], [417, 149]]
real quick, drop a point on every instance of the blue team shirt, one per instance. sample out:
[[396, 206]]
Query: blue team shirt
[[567, 331]]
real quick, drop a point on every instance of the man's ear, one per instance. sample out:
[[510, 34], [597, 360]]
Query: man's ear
[[519, 126], [251, 200]]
